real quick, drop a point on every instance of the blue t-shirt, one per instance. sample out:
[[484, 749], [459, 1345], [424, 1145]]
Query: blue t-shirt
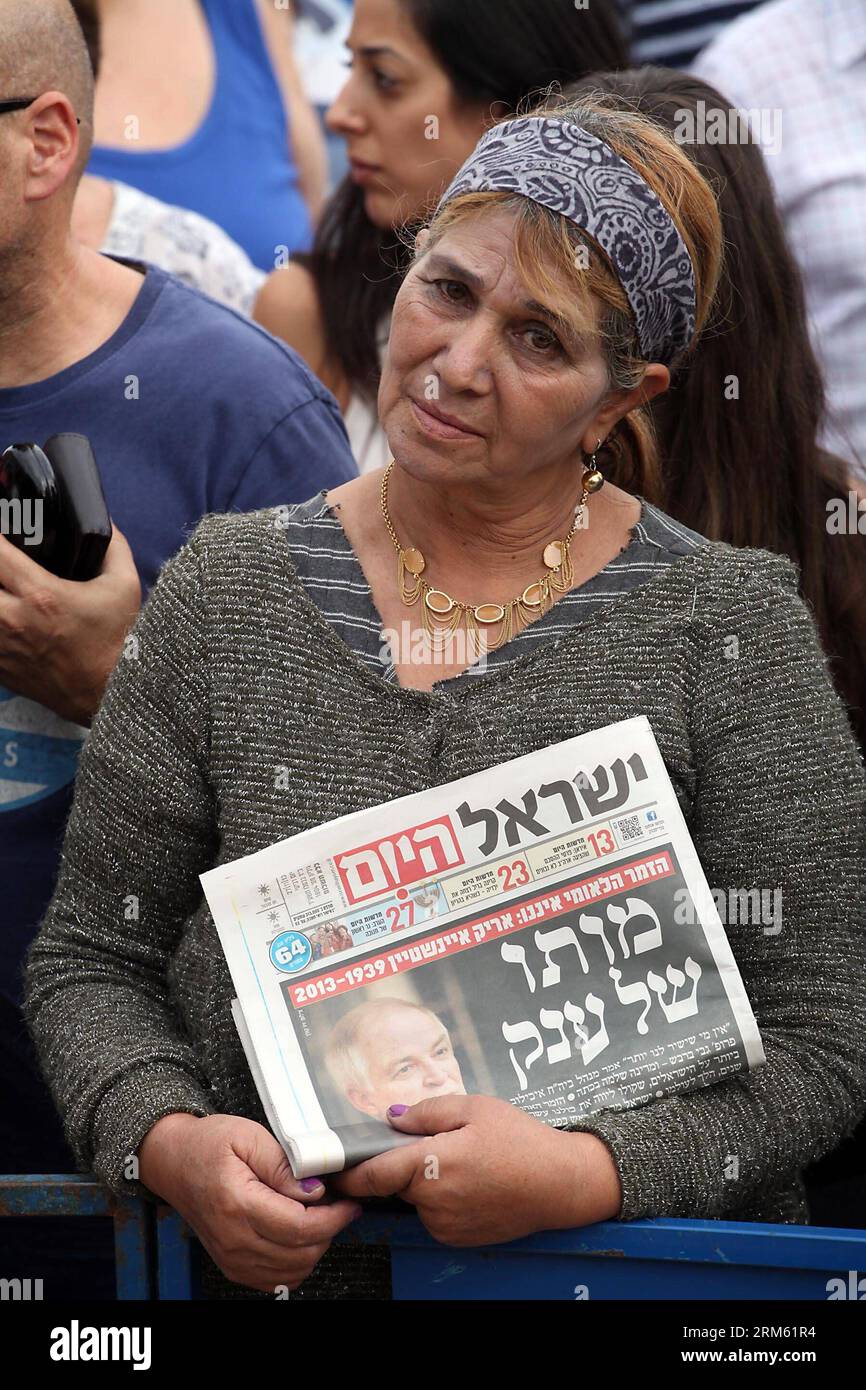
[[190, 409], [237, 168]]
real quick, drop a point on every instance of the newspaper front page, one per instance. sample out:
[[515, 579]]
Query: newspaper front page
[[542, 932]]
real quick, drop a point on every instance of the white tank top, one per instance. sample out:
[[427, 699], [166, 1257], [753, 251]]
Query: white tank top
[[366, 436]]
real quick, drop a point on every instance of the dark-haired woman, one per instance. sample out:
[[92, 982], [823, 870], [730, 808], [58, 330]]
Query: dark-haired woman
[[738, 430], [740, 461], [427, 77]]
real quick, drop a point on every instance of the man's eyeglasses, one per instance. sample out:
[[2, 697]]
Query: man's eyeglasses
[[21, 104]]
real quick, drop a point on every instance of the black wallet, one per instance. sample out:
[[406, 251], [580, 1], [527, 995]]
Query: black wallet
[[53, 506]]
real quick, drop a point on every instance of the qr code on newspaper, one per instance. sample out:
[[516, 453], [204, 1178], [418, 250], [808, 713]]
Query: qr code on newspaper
[[629, 828]]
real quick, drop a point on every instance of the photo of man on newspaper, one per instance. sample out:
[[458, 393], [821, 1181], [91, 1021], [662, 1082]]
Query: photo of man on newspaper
[[390, 1051]]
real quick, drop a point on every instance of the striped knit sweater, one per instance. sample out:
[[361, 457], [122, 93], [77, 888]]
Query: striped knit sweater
[[235, 676]]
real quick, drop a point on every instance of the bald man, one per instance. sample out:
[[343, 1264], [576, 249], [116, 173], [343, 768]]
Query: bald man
[[190, 409]]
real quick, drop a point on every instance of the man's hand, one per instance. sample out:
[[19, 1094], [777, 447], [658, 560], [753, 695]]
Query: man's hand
[[60, 639], [232, 1183], [490, 1173]]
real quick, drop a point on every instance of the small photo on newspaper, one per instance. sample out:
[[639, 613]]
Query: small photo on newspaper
[[542, 932]]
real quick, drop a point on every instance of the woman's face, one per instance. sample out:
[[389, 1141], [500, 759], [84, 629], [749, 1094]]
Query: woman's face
[[405, 132], [523, 391]]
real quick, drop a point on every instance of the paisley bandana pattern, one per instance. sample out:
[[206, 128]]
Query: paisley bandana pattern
[[565, 168]]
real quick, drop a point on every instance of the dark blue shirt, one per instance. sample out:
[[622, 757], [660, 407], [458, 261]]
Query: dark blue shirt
[[190, 409]]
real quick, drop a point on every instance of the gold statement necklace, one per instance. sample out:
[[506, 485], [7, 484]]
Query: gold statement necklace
[[441, 614]]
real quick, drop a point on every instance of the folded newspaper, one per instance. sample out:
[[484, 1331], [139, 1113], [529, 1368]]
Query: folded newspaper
[[542, 932]]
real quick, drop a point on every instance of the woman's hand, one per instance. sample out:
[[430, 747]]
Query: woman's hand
[[232, 1183], [490, 1173]]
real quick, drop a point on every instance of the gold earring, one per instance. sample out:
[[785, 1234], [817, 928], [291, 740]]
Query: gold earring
[[593, 478]]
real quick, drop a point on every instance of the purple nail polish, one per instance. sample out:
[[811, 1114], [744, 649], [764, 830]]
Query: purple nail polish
[[310, 1184], [397, 1109]]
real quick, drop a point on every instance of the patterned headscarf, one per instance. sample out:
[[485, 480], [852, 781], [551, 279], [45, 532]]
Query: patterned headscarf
[[563, 167]]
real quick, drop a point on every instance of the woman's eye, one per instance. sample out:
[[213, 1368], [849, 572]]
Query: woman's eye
[[452, 290], [384, 82], [542, 339]]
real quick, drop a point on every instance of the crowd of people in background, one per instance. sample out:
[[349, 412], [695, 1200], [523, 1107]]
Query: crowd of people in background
[[199, 273]]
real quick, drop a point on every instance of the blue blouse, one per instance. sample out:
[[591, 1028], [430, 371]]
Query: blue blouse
[[237, 167]]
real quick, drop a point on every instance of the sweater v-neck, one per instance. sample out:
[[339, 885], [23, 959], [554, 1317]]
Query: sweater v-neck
[[452, 687]]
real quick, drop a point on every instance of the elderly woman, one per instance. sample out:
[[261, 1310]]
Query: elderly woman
[[568, 267], [468, 61]]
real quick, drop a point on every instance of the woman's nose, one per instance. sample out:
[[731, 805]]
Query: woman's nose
[[465, 362], [343, 117]]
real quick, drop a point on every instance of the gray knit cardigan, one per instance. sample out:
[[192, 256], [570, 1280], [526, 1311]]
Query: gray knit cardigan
[[235, 677]]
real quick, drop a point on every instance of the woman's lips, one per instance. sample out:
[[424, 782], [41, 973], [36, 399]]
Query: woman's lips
[[438, 428], [364, 173]]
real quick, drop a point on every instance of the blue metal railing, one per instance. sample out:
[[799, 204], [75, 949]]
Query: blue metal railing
[[71, 1194], [648, 1260]]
